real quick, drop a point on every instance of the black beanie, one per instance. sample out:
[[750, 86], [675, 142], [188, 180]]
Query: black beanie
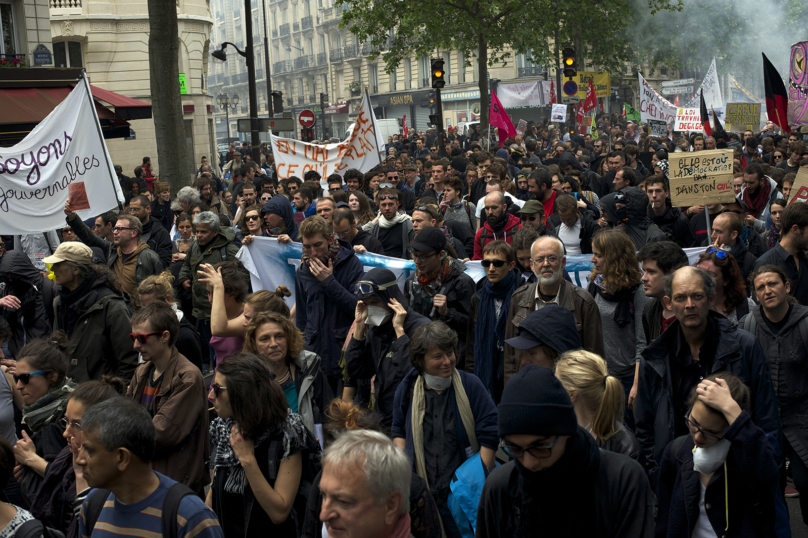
[[535, 403]]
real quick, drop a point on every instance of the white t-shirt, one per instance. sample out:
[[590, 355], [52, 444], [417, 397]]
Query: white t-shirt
[[481, 203], [571, 237], [703, 528]]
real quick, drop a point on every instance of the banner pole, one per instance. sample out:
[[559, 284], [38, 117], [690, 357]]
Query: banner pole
[[100, 134], [707, 216], [375, 127]]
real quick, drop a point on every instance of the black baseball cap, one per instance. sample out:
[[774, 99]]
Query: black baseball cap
[[552, 326], [429, 239]]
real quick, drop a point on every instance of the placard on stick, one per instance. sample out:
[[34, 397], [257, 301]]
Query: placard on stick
[[77, 195], [701, 177], [799, 190], [658, 128]]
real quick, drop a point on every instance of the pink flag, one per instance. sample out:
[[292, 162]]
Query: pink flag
[[406, 131], [500, 119]]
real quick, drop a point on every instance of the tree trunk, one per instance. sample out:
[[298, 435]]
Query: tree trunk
[[165, 94], [482, 62]]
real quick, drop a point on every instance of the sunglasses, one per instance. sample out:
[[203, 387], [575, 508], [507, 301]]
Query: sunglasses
[[720, 254], [217, 389], [252, 217], [143, 337], [488, 263], [530, 219], [25, 378], [388, 197], [266, 198]]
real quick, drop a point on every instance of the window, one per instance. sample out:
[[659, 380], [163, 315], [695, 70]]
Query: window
[[8, 45], [324, 83], [407, 73], [322, 43], [340, 84], [310, 45], [373, 78], [67, 54], [447, 66], [425, 70], [393, 77], [461, 67]]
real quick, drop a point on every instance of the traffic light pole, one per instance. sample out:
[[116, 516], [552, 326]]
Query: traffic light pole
[[323, 99]]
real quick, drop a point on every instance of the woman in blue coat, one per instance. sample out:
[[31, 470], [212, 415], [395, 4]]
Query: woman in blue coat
[[442, 416]]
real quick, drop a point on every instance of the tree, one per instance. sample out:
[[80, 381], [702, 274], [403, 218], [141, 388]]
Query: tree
[[165, 93]]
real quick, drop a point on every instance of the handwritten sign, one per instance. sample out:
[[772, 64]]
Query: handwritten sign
[[742, 116], [520, 129], [702, 177], [799, 190], [360, 150], [77, 195], [688, 119], [658, 128], [559, 113]]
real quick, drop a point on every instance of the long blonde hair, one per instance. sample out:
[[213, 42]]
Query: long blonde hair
[[587, 375]]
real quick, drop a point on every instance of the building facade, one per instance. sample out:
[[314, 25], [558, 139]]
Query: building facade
[[24, 28], [110, 39]]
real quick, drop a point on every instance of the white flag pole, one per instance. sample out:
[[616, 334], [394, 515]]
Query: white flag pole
[[375, 127]]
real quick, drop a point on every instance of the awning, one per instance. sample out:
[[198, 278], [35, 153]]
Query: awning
[[126, 108], [337, 108], [32, 105]]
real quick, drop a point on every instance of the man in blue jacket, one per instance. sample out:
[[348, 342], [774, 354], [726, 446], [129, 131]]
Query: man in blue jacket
[[697, 344], [324, 293]]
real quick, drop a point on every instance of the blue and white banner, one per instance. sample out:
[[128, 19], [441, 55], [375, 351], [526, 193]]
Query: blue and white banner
[[272, 264]]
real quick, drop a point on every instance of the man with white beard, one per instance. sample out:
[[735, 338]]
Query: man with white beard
[[549, 260]]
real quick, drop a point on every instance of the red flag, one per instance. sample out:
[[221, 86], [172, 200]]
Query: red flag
[[676, 101], [589, 103], [500, 119], [406, 131], [776, 96], [553, 99], [705, 118], [600, 105]]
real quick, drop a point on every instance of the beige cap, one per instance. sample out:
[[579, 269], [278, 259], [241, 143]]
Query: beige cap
[[71, 251]]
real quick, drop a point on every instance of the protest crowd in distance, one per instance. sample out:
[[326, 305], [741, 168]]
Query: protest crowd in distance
[[460, 334]]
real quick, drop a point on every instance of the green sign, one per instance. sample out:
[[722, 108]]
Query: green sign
[[183, 84], [631, 113]]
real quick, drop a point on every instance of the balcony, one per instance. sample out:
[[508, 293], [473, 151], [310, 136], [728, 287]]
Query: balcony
[[283, 66], [321, 58], [296, 27], [12, 60], [311, 99], [284, 29], [299, 99], [302, 62], [350, 51], [338, 10], [290, 101], [534, 71], [64, 4], [274, 32], [336, 55], [306, 23], [239, 78]]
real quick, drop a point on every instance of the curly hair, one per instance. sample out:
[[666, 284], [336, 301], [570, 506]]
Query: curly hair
[[734, 285], [294, 338], [621, 270]]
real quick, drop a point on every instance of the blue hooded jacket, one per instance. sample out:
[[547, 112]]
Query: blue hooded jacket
[[279, 205]]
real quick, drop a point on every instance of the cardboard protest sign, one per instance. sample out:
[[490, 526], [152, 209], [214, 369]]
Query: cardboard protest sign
[[652, 105], [742, 117], [520, 128], [798, 85], [360, 150], [688, 119], [799, 190], [658, 128], [702, 177], [559, 113]]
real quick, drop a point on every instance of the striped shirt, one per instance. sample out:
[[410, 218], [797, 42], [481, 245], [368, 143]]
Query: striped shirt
[[143, 519], [150, 392]]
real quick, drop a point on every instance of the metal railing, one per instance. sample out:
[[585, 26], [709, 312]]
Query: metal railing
[[12, 60], [299, 99], [274, 32], [306, 23], [311, 99], [284, 66], [296, 27], [290, 101], [239, 78], [303, 62], [336, 55], [534, 71], [322, 59], [64, 4], [350, 51], [284, 29]]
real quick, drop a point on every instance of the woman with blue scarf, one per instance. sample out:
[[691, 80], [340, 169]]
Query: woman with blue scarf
[[489, 308]]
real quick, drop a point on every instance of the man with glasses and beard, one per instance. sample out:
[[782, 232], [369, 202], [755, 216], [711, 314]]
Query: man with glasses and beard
[[549, 261]]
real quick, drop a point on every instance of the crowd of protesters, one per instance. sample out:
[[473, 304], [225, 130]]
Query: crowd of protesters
[[663, 396]]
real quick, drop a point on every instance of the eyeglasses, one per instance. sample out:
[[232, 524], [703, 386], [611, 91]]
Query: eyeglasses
[[252, 217], [25, 378], [64, 423], [143, 337], [532, 218], [217, 389], [364, 288], [709, 436], [552, 260], [119, 229], [388, 197], [720, 254], [536, 451], [496, 263], [420, 256], [343, 235]]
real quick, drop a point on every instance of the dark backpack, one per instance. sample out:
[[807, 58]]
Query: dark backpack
[[171, 506], [34, 528], [311, 468], [222, 251]]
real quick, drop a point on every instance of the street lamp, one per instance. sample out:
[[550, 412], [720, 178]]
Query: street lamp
[[249, 55], [226, 103]]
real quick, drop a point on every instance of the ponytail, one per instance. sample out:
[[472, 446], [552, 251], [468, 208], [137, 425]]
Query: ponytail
[[610, 410]]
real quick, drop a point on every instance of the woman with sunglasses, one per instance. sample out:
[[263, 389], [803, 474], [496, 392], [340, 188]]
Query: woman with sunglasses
[[730, 290], [41, 379], [252, 223], [359, 204], [253, 417], [723, 473], [777, 157], [64, 488], [299, 373], [615, 284]]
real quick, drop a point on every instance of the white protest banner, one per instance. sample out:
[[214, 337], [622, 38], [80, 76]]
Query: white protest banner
[[658, 128], [64, 156], [703, 177], [547, 88], [688, 119], [360, 150], [519, 95], [653, 106], [559, 113], [711, 90]]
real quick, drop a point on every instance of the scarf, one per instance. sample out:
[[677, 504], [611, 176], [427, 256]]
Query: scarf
[[756, 204], [624, 311], [427, 288], [773, 239], [403, 528], [294, 435], [418, 411], [333, 252], [49, 407], [398, 219], [488, 349]]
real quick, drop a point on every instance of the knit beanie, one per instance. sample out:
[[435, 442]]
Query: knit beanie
[[459, 164], [535, 403]]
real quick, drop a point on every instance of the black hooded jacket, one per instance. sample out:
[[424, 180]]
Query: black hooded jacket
[[279, 205], [34, 318], [381, 353], [674, 224], [633, 218]]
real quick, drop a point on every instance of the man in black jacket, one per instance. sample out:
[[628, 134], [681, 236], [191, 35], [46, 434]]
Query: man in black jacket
[[553, 459], [658, 260], [573, 225], [670, 220], [344, 226], [154, 234]]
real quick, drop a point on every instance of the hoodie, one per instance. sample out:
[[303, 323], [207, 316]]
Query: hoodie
[[674, 224], [633, 218], [486, 234], [279, 205]]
